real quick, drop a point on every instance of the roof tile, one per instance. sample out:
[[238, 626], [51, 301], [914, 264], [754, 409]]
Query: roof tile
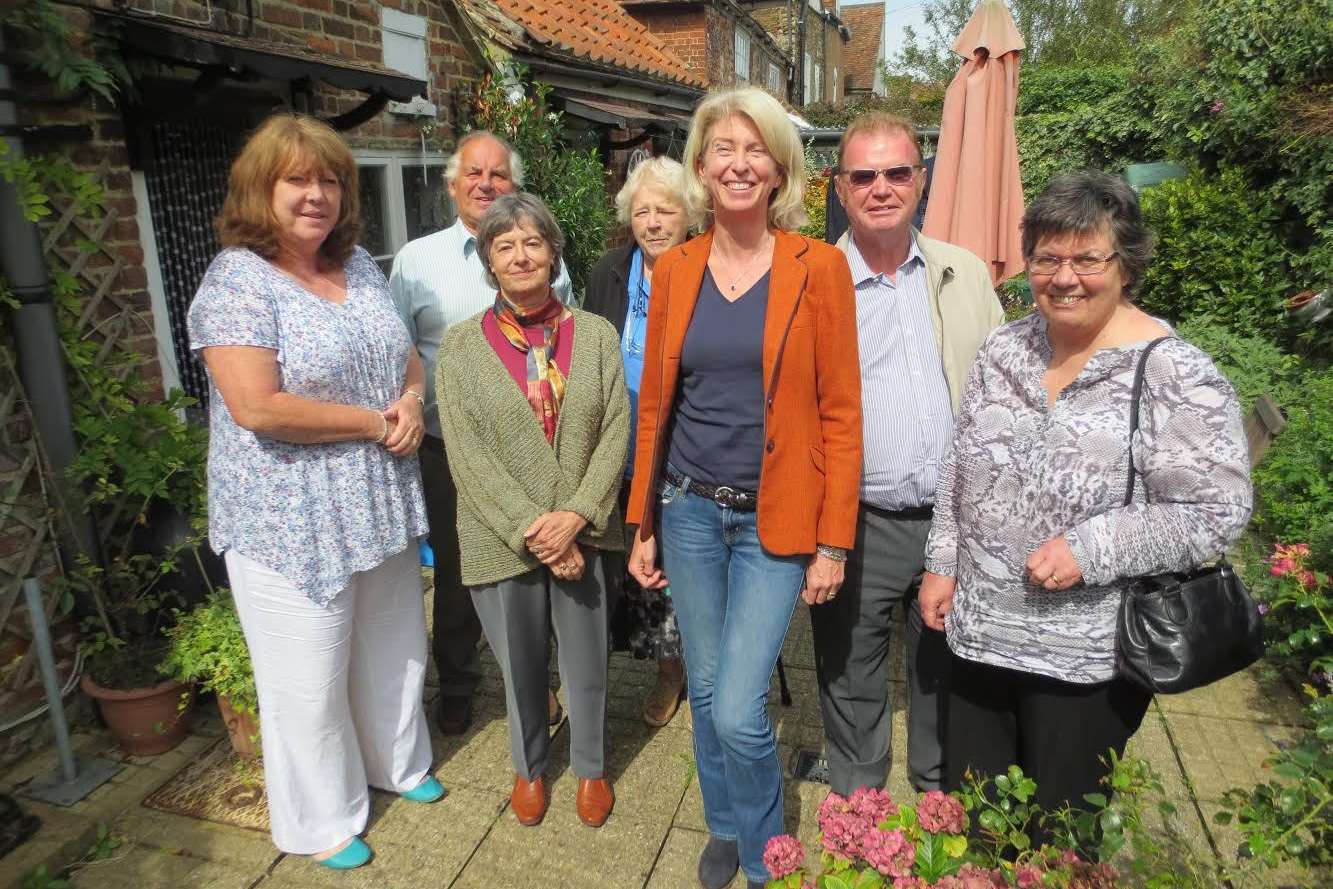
[[862, 53]]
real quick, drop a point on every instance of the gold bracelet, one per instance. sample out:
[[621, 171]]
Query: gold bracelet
[[384, 426]]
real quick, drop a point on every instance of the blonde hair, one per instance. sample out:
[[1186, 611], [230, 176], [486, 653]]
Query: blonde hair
[[664, 172], [285, 143], [785, 207], [879, 122]]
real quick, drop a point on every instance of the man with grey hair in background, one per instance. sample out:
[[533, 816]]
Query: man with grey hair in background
[[438, 281]]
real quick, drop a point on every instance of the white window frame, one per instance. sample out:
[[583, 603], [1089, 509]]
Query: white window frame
[[395, 203], [742, 52], [807, 95], [775, 78], [406, 48], [819, 81], [835, 83]]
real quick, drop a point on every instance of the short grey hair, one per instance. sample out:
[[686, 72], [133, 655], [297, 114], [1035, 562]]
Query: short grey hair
[[664, 172], [456, 159], [510, 211], [1087, 202]]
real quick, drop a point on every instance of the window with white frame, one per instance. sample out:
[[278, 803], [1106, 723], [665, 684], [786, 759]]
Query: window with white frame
[[403, 196], [775, 78], [742, 54], [806, 95], [833, 93], [819, 81], [406, 50]]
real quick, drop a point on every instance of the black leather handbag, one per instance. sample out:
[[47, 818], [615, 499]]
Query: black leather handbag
[[1177, 632]]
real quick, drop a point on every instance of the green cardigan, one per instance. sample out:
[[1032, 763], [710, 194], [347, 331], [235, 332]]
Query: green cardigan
[[506, 473]]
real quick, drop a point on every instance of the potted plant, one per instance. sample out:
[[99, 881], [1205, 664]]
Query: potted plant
[[137, 461], [208, 647]]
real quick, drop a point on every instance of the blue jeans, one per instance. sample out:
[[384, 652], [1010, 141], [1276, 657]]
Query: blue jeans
[[734, 602]]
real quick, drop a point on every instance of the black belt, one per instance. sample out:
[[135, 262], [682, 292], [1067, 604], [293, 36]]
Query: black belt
[[911, 513], [723, 495]]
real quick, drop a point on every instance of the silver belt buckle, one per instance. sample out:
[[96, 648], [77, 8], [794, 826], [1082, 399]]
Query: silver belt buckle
[[726, 497]]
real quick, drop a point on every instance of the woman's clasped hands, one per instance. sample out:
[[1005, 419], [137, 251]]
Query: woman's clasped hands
[[405, 425], [551, 538]]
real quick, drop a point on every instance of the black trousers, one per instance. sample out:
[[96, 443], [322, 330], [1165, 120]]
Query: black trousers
[[456, 629], [1056, 732]]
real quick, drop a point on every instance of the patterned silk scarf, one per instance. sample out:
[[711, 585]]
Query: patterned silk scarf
[[546, 384]]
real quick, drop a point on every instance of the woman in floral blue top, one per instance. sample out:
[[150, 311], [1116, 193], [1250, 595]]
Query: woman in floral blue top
[[314, 490], [1032, 546]]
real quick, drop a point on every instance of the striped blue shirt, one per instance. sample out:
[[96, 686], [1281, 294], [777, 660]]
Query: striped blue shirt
[[436, 282], [907, 417]]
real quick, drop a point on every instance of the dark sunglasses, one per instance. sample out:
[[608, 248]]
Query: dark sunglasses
[[895, 175]]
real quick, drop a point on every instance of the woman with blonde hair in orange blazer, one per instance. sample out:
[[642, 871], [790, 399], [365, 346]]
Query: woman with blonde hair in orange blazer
[[748, 457]]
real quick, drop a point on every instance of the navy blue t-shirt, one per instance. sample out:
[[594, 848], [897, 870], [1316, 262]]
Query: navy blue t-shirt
[[717, 433]]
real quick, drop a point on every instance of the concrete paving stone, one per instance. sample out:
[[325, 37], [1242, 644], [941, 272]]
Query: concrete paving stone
[[223, 843], [678, 862], [649, 768], [1219, 753], [1152, 744], [138, 867], [562, 851], [1256, 694], [63, 837], [479, 758]]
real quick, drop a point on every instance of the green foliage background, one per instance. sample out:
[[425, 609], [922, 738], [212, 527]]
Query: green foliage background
[[570, 178]]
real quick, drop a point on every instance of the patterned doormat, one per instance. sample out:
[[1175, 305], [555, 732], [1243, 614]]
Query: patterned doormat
[[218, 786]]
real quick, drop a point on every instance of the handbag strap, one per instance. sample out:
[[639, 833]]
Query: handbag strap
[[1134, 396]]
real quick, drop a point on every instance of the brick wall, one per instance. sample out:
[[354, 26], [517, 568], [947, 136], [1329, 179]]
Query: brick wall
[[684, 33]]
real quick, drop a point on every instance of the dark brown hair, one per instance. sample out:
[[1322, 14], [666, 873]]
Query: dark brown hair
[[283, 144]]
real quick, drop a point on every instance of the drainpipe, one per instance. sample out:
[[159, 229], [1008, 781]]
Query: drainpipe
[[36, 338]]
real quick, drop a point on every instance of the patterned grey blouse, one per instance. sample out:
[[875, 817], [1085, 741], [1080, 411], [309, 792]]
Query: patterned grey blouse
[[1020, 473], [314, 513]]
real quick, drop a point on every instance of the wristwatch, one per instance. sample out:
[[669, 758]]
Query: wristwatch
[[836, 553]]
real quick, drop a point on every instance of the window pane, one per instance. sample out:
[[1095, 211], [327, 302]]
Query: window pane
[[425, 200], [374, 235]]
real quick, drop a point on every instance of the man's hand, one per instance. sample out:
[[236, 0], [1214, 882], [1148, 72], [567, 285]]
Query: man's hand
[[936, 599], [823, 577], [553, 532], [643, 564], [1053, 566]]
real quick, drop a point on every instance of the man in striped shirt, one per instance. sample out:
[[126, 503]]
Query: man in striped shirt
[[437, 281], [923, 308]]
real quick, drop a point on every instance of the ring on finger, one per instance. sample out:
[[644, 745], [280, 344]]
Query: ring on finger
[[1055, 578]]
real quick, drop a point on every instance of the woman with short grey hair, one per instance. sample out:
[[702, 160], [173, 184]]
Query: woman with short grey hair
[[1035, 540], [652, 204], [532, 403]]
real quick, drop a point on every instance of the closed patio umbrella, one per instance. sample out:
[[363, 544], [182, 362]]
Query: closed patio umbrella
[[976, 199]]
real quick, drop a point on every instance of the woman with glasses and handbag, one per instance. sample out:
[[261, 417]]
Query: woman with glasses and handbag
[[748, 454], [1035, 542], [652, 204]]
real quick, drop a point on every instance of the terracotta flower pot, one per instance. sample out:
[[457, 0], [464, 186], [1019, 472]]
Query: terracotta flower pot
[[144, 721], [242, 728]]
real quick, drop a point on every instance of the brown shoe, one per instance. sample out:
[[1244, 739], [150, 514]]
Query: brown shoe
[[595, 801], [664, 697], [528, 800]]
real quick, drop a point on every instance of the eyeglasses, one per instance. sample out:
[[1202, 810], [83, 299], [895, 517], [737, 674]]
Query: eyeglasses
[[895, 175], [1082, 265]]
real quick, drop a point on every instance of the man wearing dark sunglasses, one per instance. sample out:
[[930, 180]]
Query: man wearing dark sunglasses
[[923, 308]]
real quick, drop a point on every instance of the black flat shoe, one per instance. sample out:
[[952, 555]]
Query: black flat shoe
[[718, 863]]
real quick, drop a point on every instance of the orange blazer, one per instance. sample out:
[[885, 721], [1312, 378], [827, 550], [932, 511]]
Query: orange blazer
[[810, 478]]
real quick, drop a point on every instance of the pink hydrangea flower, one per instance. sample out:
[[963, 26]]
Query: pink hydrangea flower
[[872, 803], [1029, 876], [842, 833], [783, 855], [972, 877], [940, 813], [909, 883], [888, 851]]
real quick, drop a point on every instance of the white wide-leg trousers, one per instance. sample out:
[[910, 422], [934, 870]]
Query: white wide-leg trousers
[[339, 695]]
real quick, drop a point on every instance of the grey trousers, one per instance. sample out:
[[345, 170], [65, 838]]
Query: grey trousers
[[517, 615], [852, 659]]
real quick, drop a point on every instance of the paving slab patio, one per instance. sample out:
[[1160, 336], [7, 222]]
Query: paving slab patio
[[1200, 743]]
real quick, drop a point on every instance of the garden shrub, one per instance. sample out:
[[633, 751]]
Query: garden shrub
[[1218, 255], [921, 103], [1254, 365], [1050, 89], [1294, 482]]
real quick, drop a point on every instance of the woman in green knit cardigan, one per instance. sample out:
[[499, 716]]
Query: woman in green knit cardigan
[[536, 424]]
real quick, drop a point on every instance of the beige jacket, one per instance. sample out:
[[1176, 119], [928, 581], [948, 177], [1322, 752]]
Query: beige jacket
[[964, 309]]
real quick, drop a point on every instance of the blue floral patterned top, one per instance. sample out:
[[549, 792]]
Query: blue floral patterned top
[[314, 513]]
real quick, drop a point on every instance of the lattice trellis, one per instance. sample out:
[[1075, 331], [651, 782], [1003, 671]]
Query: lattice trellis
[[76, 244]]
